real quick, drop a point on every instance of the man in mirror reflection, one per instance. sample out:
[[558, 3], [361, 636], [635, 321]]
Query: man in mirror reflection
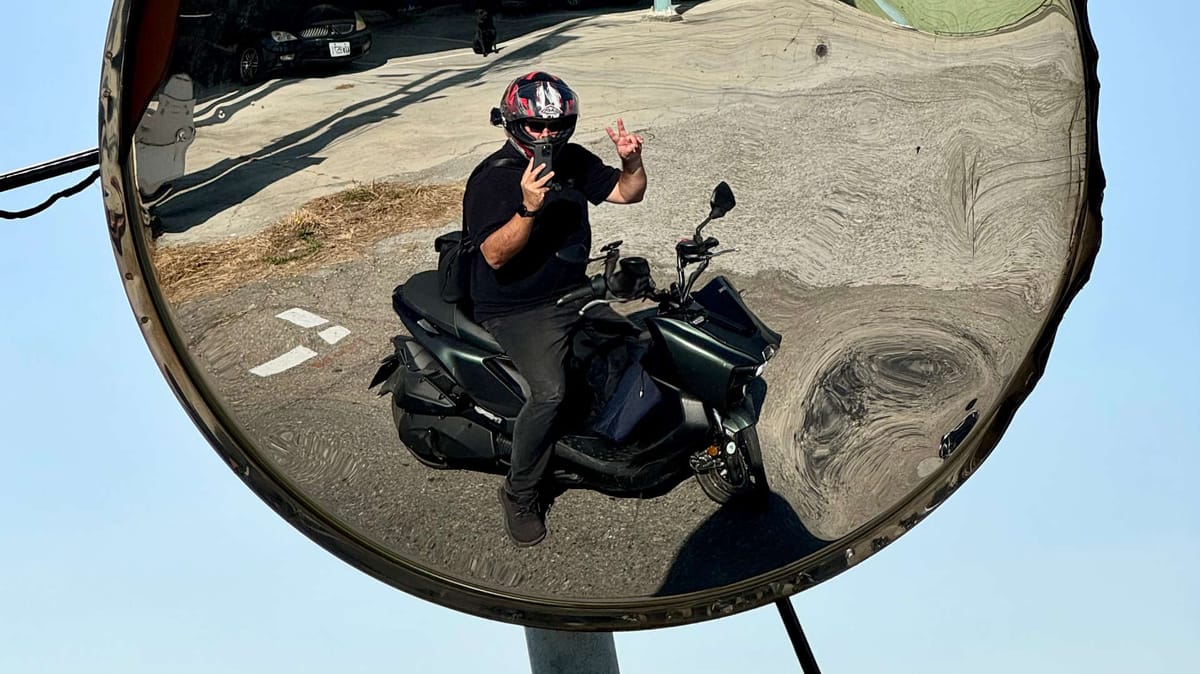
[[527, 222]]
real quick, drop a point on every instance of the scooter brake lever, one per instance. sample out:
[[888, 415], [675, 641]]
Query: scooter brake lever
[[594, 303]]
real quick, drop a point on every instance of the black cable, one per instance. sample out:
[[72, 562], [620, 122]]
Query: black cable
[[74, 189], [50, 169], [808, 663]]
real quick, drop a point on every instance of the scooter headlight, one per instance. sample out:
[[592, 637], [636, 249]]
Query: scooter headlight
[[769, 352]]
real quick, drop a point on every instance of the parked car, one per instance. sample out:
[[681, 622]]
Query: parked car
[[324, 34], [219, 40]]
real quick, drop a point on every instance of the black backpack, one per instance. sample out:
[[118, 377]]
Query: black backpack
[[456, 250]]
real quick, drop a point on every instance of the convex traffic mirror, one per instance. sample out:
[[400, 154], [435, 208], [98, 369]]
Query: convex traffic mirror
[[917, 188]]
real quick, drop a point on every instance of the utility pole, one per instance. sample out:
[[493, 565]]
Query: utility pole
[[663, 10], [555, 652]]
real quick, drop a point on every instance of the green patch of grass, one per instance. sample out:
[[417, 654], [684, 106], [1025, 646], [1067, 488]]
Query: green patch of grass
[[954, 17], [309, 242], [359, 194]]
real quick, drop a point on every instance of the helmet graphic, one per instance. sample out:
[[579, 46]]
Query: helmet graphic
[[537, 100]]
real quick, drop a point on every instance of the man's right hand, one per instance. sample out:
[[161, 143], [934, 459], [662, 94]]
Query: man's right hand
[[507, 241], [533, 189]]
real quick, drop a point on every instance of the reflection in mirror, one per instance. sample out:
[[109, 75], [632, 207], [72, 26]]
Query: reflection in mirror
[[910, 176]]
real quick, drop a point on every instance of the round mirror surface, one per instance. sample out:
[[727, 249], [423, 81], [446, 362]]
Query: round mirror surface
[[902, 197]]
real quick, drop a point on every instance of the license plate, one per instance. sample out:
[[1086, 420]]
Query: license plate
[[339, 48]]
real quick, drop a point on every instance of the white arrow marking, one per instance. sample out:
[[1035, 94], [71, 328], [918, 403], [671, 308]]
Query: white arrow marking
[[305, 319], [333, 335], [285, 362]]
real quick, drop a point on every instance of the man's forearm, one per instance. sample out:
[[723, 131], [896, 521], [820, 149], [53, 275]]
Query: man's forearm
[[506, 242], [632, 182]]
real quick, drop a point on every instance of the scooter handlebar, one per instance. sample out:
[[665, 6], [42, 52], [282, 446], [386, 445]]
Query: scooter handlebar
[[583, 292], [594, 289]]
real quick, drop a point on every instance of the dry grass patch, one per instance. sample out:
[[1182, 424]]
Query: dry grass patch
[[327, 230]]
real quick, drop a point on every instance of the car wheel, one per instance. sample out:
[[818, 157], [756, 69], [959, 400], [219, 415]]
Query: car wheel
[[249, 64]]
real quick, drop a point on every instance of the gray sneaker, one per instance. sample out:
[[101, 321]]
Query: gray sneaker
[[522, 519]]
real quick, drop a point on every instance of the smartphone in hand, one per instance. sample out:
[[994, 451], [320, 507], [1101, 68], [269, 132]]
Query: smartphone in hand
[[543, 153]]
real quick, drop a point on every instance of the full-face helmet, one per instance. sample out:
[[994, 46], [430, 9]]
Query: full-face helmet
[[538, 100]]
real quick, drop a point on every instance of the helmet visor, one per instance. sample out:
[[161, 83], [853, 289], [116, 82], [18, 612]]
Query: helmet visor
[[542, 100], [554, 126]]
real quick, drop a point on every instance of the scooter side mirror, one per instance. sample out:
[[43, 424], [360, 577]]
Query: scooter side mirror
[[720, 203], [722, 200]]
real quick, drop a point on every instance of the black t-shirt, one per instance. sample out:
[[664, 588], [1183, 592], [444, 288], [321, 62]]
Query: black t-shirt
[[537, 274]]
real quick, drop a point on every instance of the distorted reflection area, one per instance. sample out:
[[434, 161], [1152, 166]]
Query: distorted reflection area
[[909, 178], [957, 17]]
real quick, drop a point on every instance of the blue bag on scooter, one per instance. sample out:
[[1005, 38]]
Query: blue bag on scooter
[[632, 399]]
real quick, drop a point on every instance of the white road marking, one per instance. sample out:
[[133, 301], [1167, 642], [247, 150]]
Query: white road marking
[[305, 319], [285, 362], [333, 335]]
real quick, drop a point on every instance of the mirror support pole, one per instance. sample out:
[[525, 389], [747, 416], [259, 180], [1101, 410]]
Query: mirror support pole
[[555, 652], [808, 663]]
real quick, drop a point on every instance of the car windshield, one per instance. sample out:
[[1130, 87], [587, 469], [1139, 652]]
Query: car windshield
[[325, 13]]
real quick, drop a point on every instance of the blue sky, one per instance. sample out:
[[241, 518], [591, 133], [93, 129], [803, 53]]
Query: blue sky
[[127, 546]]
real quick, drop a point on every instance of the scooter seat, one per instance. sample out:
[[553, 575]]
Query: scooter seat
[[422, 293]]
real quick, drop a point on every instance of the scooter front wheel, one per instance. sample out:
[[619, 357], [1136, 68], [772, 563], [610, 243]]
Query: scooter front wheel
[[741, 478]]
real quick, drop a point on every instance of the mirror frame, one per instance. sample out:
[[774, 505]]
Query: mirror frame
[[129, 236]]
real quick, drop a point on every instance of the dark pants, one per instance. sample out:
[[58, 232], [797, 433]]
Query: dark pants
[[538, 341]]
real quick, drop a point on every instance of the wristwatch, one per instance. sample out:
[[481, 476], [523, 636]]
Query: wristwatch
[[525, 212]]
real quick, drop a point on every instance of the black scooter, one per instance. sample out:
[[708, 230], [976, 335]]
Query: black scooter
[[455, 394]]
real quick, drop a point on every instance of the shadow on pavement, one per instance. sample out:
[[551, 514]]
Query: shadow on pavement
[[197, 197], [231, 181], [715, 554]]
